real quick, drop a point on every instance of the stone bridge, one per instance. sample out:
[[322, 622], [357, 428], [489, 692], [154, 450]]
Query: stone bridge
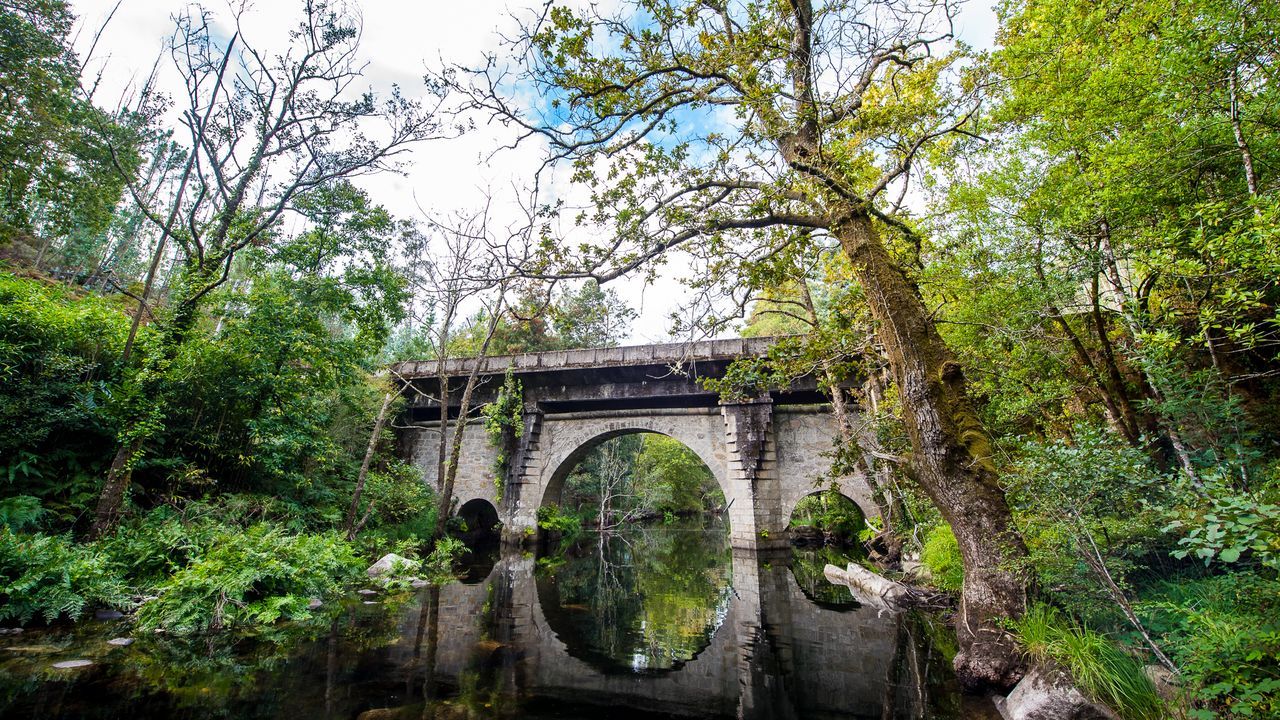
[[766, 453]]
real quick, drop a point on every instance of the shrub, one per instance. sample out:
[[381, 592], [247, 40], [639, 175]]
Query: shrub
[[52, 576], [1101, 669], [553, 519], [250, 577], [439, 564], [941, 555], [1224, 634]]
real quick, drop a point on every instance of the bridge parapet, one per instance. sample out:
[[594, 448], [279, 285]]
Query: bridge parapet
[[676, 354]]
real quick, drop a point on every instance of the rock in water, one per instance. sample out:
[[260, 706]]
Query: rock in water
[[388, 562], [1046, 694], [72, 664], [366, 592], [120, 642], [108, 614]]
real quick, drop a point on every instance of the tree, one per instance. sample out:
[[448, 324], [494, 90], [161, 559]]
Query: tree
[[823, 112], [273, 130], [57, 180], [1128, 178], [591, 316], [670, 477]]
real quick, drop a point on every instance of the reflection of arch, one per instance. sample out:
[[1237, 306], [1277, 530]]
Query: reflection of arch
[[591, 599], [480, 516], [574, 446]]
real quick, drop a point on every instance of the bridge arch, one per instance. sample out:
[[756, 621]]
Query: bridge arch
[[572, 444]]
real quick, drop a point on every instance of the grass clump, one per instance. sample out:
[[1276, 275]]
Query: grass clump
[[941, 556], [1101, 669]]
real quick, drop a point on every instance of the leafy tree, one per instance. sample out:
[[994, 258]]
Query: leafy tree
[[591, 316], [63, 161], [825, 114], [670, 477]]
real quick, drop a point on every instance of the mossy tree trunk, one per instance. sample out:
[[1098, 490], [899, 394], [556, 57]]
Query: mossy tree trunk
[[951, 459]]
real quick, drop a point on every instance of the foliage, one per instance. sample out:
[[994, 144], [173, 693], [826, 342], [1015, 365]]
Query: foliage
[[257, 575], [1086, 494], [1224, 634], [829, 512], [438, 565], [20, 512], [59, 369], [553, 519], [504, 422], [53, 576], [63, 161], [941, 555], [1100, 669], [1231, 527], [671, 478]]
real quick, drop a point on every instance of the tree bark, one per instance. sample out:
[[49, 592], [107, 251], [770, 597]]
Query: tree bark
[[111, 499], [952, 460], [450, 466], [351, 526]]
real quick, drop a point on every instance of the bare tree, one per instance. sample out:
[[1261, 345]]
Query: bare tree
[[263, 129], [457, 274]]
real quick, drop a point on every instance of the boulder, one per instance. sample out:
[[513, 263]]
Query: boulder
[[1165, 681], [120, 641], [1046, 694], [868, 588], [389, 562], [315, 604], [72, 664]]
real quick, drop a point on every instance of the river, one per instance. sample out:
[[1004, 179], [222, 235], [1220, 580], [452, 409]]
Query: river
[[653, 621]]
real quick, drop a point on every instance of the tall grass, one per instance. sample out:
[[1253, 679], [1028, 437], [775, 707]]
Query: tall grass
[[1101, 670]]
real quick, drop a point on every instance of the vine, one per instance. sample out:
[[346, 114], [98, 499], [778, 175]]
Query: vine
[[504, 422]]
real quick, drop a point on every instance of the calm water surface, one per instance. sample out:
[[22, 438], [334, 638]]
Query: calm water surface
[[662, 621]]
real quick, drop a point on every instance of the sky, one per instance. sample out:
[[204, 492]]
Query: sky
[[401, 40]]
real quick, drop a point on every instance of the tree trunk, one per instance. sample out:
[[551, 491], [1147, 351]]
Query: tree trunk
[[111, 500], [150, 390], [351, 526], [951, 459]]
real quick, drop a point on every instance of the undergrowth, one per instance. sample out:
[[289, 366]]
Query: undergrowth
[[1099, 667]]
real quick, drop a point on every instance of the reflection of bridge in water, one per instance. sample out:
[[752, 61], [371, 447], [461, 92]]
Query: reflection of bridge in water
[[777, 654]]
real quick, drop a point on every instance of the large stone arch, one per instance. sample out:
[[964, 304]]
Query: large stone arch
[[563, 439], [570, 442]]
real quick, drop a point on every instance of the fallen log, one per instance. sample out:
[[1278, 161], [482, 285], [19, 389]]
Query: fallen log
[[868, 587]]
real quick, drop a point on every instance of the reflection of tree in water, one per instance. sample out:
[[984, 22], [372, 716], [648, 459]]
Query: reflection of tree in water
[[808, 564], [642, 599]]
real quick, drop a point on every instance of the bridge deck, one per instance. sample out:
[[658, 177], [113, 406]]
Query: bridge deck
[[660, 354]]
